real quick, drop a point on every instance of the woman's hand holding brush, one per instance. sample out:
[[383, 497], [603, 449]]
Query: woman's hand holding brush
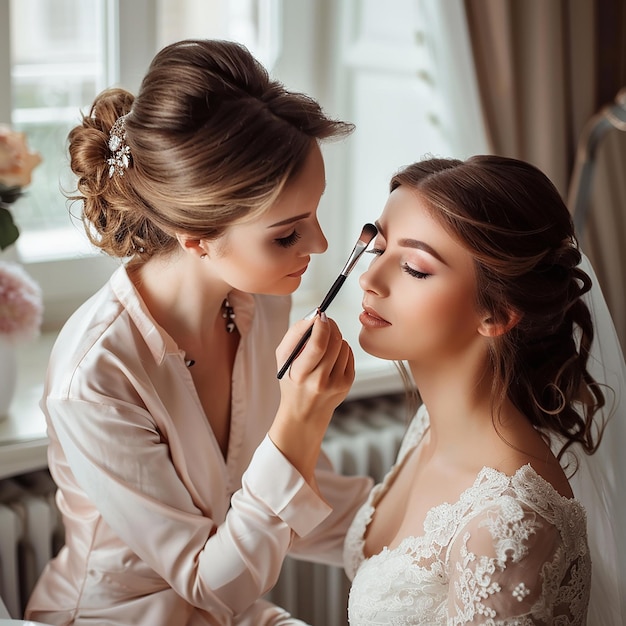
[[318, 381]]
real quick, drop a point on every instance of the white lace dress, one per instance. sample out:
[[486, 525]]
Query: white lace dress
[[511, 551]]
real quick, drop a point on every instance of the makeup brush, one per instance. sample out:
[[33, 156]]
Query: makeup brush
[[367, 234]]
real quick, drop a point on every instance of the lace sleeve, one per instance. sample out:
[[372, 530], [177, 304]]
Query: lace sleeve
[[510, 566]]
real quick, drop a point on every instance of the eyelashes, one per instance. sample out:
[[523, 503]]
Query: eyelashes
[[413, 272], [405, 266], [289, 240]]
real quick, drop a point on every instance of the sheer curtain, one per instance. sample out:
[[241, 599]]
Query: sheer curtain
[[451, 50]]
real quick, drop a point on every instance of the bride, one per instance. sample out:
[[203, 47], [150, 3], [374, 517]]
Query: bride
[[477, 285]]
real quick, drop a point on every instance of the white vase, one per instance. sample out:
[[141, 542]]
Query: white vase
[[8, 375]]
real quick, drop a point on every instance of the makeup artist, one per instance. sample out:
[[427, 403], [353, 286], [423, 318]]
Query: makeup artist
[[186, 471]]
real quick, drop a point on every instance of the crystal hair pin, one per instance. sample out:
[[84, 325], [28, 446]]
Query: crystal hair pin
[[120, 151]]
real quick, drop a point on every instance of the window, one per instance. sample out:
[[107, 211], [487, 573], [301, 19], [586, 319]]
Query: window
[[58, 63], [62, 52], [400, 70]]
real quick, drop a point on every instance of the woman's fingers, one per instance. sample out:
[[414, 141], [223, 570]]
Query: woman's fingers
[[315, 348], [318, 357], [291, 339], [344, 364]]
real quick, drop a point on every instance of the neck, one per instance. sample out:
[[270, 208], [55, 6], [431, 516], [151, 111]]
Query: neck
[[457, 394], [464, 432], [182, 298]]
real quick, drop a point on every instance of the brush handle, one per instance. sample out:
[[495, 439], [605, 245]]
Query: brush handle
[[330, 296], [332, 292]]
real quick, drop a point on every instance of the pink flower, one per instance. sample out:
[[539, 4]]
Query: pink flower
[[21, 307], [17, 161]]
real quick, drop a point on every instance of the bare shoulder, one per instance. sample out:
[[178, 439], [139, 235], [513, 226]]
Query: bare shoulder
[[532, 450]]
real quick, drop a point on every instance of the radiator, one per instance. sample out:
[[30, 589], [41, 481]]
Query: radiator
[[363, 438], [31, 534]]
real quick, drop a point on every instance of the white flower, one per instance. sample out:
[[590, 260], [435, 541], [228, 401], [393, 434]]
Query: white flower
[[520, 592]]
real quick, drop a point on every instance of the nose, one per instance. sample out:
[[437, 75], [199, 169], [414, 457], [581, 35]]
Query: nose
[[364, 281], [318, 242], [371, 281]]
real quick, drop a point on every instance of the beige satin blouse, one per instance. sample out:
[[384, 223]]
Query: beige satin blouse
[[160, 529]]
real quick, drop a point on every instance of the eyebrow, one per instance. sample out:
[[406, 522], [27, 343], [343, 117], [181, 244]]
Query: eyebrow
[[416, 244], [421, 245], [289, 220]]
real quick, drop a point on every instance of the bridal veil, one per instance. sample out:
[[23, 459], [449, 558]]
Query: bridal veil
[[600, 480]]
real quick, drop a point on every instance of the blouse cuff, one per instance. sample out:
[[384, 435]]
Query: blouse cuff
[[275, 481]]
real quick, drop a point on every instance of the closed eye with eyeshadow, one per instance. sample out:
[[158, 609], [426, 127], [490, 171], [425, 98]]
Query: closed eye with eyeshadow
[[289, 240], [411, 271]]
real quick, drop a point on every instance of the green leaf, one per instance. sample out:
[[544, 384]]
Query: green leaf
[[8, 230]]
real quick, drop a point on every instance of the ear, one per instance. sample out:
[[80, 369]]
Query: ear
[[490, 328], [192, 245]]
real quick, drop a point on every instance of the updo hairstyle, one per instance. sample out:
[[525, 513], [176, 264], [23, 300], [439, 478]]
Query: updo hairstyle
[[512, 220], [213, 141]]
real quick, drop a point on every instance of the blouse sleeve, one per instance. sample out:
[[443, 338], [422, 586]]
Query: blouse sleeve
[[345, 495], [121, 461], [509, 565]]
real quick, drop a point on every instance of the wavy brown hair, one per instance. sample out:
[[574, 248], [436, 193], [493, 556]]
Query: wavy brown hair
[[512, 220], [213, 141]]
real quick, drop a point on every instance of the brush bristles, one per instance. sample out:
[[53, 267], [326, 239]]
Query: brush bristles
[[368, 233]]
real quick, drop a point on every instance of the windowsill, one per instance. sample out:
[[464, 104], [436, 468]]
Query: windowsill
[[54, 244], [23, 440]]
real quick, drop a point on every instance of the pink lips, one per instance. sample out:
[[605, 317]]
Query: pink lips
[[299, 272], [370, 318]]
